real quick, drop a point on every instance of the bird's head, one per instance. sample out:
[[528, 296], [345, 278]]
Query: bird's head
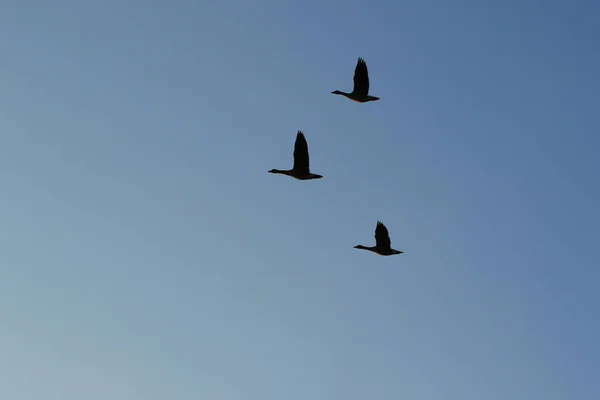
[[336, 92]]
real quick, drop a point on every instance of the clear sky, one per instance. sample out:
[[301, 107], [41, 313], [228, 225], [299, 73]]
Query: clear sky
[[146, 253]]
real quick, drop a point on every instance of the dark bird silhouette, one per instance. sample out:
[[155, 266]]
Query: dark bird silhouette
[[301, 168], [383, 244], [360, 93]]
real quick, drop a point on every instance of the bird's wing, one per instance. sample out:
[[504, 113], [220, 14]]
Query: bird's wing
[[382, 237], [361, 78], [301, 160]]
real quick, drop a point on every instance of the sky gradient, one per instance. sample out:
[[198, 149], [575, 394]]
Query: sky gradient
[[146, 253]]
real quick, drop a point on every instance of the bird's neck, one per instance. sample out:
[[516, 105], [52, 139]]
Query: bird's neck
[[282, 171], [360, 246], [343, 93]]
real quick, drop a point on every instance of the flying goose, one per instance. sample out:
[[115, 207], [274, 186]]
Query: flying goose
[[301, 168], [360, 93], [383, 244]]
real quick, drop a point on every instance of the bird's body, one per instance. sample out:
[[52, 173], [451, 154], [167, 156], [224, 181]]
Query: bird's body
[[301, 169], [383, 244], [360, 93]]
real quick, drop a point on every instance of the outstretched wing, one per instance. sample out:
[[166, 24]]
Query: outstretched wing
[[361, 78], [382, 237], [301, 161]]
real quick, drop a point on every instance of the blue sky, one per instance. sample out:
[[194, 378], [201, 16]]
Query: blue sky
[[146, 253]]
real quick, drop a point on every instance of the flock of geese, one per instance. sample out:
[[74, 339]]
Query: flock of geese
[[301, 168]]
